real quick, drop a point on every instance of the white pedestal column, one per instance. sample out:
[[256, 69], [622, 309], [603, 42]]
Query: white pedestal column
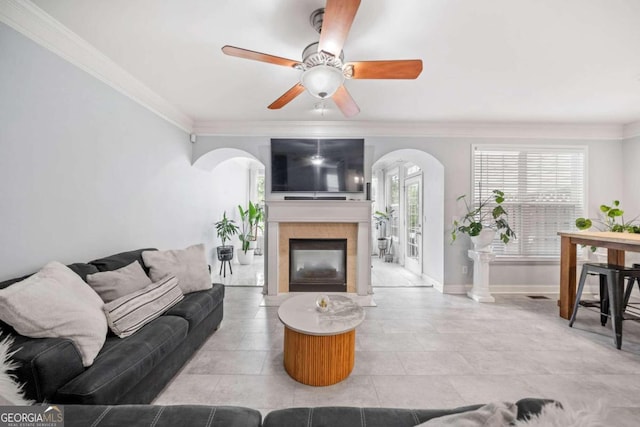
[[480, 291]]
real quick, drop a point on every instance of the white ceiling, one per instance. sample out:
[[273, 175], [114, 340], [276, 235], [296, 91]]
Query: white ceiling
[[484, 60]]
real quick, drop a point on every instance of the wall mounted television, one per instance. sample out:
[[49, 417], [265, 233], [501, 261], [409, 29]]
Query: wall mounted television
[[317, 165]]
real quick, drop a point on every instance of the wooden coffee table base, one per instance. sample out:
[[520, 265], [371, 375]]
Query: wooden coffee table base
[[319, 360]]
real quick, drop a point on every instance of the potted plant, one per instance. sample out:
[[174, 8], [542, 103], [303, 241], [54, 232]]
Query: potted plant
[[382, 219], [225, 229], [611, 219], [481, 222], [249, 217], [259, 229]]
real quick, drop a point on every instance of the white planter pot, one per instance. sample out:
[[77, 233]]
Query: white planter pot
[[245, 258], [482, 242]]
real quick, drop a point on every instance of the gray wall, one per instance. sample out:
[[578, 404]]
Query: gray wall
[[85, 171], [631, 184], [605, 183]]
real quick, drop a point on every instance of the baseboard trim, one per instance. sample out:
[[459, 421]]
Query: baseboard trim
[[462, 289]]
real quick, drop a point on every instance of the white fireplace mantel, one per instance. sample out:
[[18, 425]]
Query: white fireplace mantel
[[320, 211]]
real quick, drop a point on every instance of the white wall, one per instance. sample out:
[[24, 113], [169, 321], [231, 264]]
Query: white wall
[[631, 184], [84, 171], [605, 182]]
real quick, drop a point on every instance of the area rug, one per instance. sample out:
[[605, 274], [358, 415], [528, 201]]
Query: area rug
[[10, 391], [566, 416]]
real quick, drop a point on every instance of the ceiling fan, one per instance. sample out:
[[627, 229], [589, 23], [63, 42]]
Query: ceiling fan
[[322, 66]]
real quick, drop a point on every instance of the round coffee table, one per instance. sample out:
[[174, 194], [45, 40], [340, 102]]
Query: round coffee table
[[319, 348]]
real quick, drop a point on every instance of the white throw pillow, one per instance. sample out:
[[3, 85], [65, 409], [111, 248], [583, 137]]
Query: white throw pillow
[[496, 414], [188, 265], [56, 303], [111, 285], [128, 314]]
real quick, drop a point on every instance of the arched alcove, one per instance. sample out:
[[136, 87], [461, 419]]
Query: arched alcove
[[235, 176], [432, 220], [209, 160]]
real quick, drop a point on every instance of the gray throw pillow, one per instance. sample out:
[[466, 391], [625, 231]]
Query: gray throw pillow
[[111, 285], [188, 265], [56, 303]]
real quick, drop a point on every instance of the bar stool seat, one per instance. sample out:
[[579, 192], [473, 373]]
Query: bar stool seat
[[613, 304]]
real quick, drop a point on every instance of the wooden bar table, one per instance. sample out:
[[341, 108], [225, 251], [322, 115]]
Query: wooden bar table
[[616, 244]]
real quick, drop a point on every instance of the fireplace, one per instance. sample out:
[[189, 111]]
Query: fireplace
[[317, 265], [318, 219]]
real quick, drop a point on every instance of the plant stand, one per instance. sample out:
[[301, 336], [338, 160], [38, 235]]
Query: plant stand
[[383, 244], [480, 290], [225, 255]]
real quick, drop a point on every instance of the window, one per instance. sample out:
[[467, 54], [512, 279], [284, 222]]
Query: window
[[393, 200], [544, 193]]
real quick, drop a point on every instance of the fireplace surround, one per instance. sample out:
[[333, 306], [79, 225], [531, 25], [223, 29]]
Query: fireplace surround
[[318, 219]]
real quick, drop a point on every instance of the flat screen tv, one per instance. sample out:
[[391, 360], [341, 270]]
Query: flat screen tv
[[317, 165]]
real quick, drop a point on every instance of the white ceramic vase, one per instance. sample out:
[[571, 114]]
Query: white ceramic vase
[[245, 258], [482, 242]]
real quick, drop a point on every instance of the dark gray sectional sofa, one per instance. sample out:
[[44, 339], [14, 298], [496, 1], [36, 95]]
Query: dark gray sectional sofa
[[127, 370], [226, 416]]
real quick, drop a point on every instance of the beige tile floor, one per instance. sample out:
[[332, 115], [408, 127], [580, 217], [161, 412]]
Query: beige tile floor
[[419, 348], [383, 274]]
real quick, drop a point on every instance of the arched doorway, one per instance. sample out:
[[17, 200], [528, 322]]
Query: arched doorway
[[408, 186], [237, 178]]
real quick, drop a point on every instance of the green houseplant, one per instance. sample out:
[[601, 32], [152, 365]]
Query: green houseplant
[[488, 214], [249, 223], [382, 220], [225, 229], [611, 219]]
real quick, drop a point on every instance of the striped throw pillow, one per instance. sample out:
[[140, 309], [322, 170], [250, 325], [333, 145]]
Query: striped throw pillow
[[129, 313]]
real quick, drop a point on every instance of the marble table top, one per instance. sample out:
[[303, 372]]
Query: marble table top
[[301, 314]]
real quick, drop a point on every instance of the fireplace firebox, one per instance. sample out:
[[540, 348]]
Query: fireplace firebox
[[317, 265]]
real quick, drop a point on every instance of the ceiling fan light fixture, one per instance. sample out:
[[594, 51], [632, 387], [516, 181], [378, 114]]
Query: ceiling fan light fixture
[[322, 81], [317, 160]]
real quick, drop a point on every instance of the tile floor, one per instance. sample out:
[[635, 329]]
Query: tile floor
[[419, 348], [383, 274]]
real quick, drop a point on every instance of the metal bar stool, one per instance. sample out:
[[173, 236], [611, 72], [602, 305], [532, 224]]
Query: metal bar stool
[[614, 302], [627, 293]]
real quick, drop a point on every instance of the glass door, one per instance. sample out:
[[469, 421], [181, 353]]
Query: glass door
[[413, 221]]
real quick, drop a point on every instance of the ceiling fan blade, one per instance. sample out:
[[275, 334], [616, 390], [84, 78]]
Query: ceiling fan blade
[[398, 69], [345, 102], [336, 23], [287, 97], [258, 56]]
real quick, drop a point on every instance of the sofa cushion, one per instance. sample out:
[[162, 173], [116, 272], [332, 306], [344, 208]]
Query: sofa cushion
[[342, 416], [160, 416], [188, 265], [123, 362], [120, 260], [56, 303], [82, 269], [45, 365], [128, 314], [197, 305], [111, 285]]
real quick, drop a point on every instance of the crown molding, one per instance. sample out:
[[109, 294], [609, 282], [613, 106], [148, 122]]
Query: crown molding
[[28, 19], [631, 130], [410, 129]]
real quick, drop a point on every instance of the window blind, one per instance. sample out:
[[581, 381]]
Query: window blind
[[544, 193]]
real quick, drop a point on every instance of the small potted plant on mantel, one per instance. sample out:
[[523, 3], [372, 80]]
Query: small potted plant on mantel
[[481, 222], [225, 229]]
